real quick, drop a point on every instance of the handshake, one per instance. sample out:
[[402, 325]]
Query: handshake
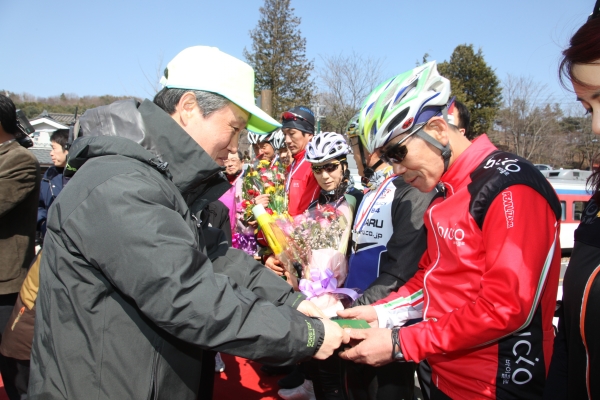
[[372, 346]]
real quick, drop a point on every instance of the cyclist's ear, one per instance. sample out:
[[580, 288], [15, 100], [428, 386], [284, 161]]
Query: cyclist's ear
[[438, 128]]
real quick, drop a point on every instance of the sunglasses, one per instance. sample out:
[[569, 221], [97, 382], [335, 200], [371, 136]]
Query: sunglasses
[[397, 153], [329, 167], [290, 116]]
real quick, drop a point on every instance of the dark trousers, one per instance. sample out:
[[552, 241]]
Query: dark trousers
[[424, 375], [437, 394], [207, 375], [15, 373], [395, 380], [327, 377]]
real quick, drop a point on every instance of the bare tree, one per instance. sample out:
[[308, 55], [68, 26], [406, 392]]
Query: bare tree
[[153, 77], [527, 119], [345, 81]]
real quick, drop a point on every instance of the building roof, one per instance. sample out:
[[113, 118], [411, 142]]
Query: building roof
[[43, 155], [64, 119]]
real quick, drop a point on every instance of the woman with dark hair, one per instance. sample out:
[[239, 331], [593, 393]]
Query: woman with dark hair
[[575, 366], [327, 154]]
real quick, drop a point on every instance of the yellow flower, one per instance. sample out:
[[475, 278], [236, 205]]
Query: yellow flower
[[264, 163], [270, 190]]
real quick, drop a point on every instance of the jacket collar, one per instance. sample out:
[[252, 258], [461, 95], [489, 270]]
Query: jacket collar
[[299, 156], [459, 173]]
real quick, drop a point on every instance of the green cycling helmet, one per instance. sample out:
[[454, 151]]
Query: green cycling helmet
[[402, 103]]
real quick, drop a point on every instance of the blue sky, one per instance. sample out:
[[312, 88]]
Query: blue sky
[[116, 47]]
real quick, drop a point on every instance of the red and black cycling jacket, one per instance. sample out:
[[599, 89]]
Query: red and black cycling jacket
[[487, 284]]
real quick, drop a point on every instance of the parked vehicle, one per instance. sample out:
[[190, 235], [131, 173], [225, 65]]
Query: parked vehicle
[[570, 186], [543, 167]]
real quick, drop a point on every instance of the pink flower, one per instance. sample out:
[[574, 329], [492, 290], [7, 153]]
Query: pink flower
[[299, 219]]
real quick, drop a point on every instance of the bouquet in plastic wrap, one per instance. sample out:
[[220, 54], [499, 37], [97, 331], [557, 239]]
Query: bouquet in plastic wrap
[[312, 246], [265, 178]]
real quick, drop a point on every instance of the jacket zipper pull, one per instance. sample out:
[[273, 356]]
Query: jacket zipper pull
[[21, 311], [198, 222]]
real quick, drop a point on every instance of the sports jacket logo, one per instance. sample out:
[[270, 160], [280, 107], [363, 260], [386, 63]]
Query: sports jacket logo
[[504, 166], [456, 236]]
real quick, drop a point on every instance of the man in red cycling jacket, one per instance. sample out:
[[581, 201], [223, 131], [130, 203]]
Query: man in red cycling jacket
[[301, 186], [486, 286]]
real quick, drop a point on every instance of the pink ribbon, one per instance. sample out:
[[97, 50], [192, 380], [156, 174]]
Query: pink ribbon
[[321, 282]]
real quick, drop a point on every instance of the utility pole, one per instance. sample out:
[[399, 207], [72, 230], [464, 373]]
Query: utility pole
[[318, 109]]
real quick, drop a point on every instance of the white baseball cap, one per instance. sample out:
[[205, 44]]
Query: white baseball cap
[[209, 69]]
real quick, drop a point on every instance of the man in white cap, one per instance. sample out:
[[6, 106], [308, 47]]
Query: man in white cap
[[131, 290]]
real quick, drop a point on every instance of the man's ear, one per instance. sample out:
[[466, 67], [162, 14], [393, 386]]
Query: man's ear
[[439, 129], [186, 106]]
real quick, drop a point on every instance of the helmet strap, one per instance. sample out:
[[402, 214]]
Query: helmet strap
[[362, 154], [446, 150]]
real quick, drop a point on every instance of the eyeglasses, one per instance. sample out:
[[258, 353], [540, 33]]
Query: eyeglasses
[[329, 167], [397, 153], [290, 116]]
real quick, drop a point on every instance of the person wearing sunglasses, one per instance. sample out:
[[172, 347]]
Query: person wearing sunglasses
[[301, 187], [371, 169], [575, 365], [326, 154], [388, 239], [485, 291]]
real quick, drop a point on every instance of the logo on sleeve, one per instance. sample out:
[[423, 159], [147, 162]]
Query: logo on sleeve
[[509, 209], [311, 335]]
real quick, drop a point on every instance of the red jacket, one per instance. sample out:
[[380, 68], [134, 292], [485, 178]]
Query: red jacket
[[301, 186], [486, 286]]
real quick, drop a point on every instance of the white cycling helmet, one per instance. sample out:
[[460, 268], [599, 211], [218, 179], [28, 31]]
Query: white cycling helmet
[[326, 146], [277, 139], [255, 138], [405, 101]]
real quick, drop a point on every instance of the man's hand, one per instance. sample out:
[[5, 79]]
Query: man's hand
[[334, 337], [361, 312], [309, 309], [275, 265], [374, 346]]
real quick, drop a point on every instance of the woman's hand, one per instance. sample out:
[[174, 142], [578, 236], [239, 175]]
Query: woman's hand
[[275, 265], [262, 199]]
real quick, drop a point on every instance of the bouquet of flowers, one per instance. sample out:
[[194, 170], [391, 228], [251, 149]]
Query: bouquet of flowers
[[265, 178], [313, 247]]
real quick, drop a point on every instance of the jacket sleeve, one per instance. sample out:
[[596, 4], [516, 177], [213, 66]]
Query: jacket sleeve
[[512, 282], [132, 234], [18, 177], [405, 247], [250, 274], [42, 207]]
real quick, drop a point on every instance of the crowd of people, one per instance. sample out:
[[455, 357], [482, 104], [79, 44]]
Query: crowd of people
[[140, 280]]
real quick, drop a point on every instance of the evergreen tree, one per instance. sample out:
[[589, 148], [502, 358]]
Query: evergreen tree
[[278, 57], [475, 84]]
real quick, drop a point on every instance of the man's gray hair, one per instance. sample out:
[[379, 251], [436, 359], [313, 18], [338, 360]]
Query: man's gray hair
[[168, 98]]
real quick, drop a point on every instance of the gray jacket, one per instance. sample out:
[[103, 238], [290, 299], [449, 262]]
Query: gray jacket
[[128, 296]]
